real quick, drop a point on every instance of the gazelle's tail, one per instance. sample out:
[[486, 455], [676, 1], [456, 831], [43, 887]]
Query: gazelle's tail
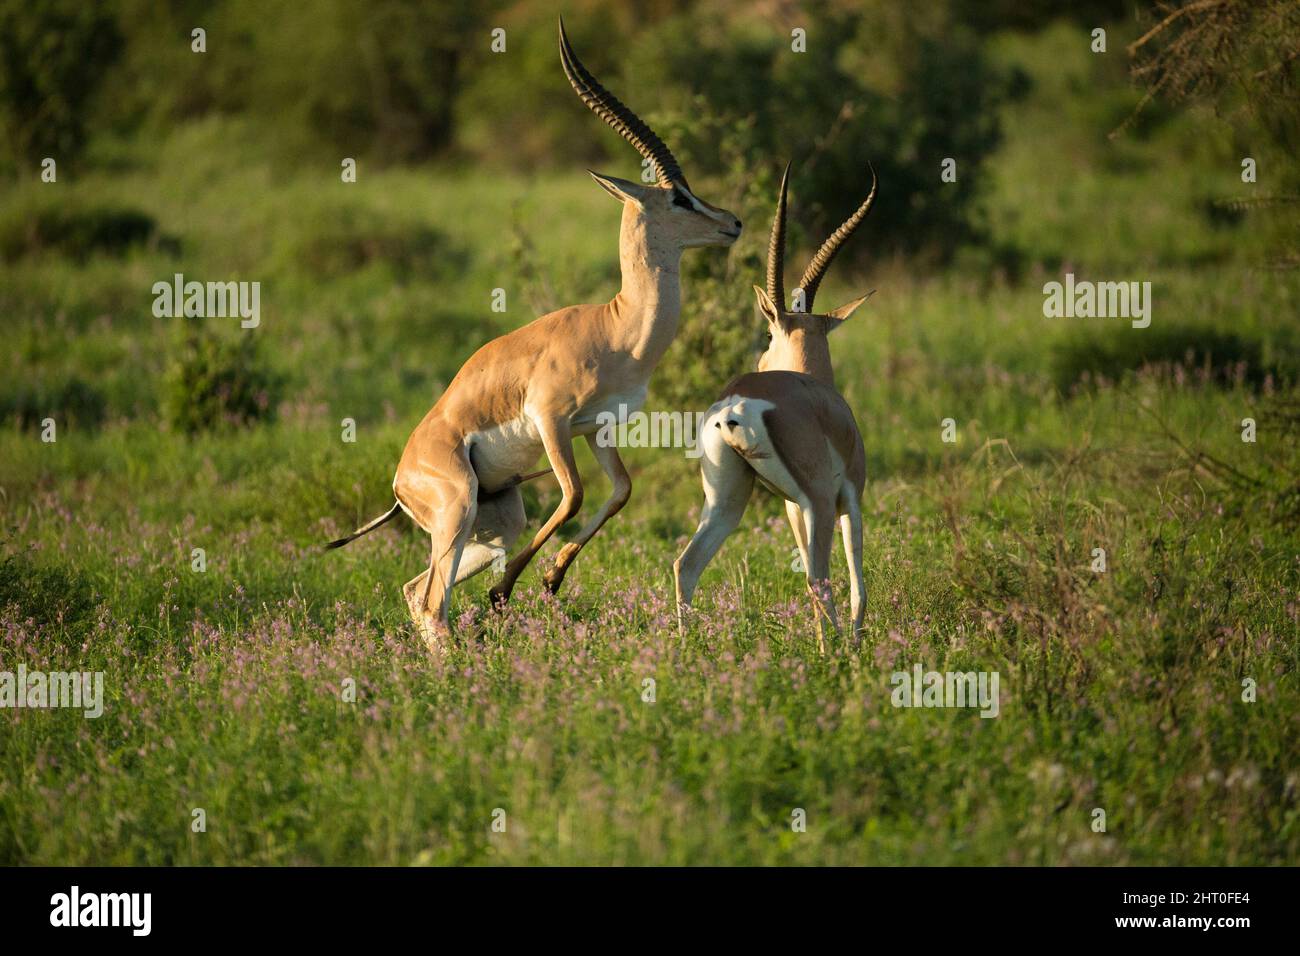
[[387, 516], [743, 428], [392, 512], [520, 479]]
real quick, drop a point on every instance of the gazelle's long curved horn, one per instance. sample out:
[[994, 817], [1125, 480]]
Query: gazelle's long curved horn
[[626, 123], [776, 248], [812, 276]]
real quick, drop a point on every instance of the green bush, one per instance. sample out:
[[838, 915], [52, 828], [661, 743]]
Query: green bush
[[1209, 355], [68, 401], [51, 596], [904, 88], [72, 230], [350, 243], [218, 382]]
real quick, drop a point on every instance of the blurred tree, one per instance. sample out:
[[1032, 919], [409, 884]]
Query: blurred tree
[[905, 88], [161, 78], [52, 56], [987, 16], [378, 79], [1234, 54], [1242, 57]]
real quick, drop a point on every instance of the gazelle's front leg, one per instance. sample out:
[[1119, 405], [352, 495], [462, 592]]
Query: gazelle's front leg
[[557, 440], [622, 490]]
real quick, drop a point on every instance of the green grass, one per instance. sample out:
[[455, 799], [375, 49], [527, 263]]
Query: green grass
[[224, 689]]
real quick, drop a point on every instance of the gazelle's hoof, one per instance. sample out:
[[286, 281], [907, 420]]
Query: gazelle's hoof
[[437, 640], [499, 596], [686, 615], [555, 576]]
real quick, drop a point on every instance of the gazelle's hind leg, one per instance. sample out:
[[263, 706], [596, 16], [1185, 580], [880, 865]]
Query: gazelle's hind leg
[[728, 482], [444, 559], [428, 594], [498, 522], [851, 530], [497, 526], [413, 591], [819, 521], [441, 495]]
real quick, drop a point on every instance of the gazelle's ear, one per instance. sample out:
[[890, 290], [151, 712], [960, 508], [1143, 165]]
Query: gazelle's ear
[[621, 189], [848, 308], [766, 306]]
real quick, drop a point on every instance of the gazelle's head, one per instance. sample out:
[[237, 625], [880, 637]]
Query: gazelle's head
[[669, 214], [798, 336]]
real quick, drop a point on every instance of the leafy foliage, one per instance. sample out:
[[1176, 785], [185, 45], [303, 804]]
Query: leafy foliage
[[72, 229], [1207, 354], [70, 400], [49, 596], [52, 58], [218, 381]]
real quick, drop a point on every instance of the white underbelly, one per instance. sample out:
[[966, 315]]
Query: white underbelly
[[512, 448], [500, 453], [612, 409]]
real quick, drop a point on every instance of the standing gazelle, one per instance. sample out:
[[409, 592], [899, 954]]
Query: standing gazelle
[[534, 390], [787, 426]]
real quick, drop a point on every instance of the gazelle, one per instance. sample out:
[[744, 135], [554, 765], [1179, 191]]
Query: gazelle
[[534, 390], [787, 426]]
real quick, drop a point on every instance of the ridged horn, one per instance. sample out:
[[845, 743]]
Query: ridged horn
[[812, 276], [776, 248], [626, 123]]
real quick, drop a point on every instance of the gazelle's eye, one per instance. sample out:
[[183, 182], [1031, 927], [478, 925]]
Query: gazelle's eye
[[680, 200]]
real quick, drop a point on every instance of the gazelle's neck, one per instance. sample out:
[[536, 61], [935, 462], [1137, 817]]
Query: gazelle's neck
[[650, 301], [816, 366], [801, 351]]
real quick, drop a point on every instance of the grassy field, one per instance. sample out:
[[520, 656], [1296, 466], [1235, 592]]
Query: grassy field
[[1120, 691]]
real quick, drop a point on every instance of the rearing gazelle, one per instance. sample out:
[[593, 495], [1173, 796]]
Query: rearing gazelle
[[786, 426], [534, 390]]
